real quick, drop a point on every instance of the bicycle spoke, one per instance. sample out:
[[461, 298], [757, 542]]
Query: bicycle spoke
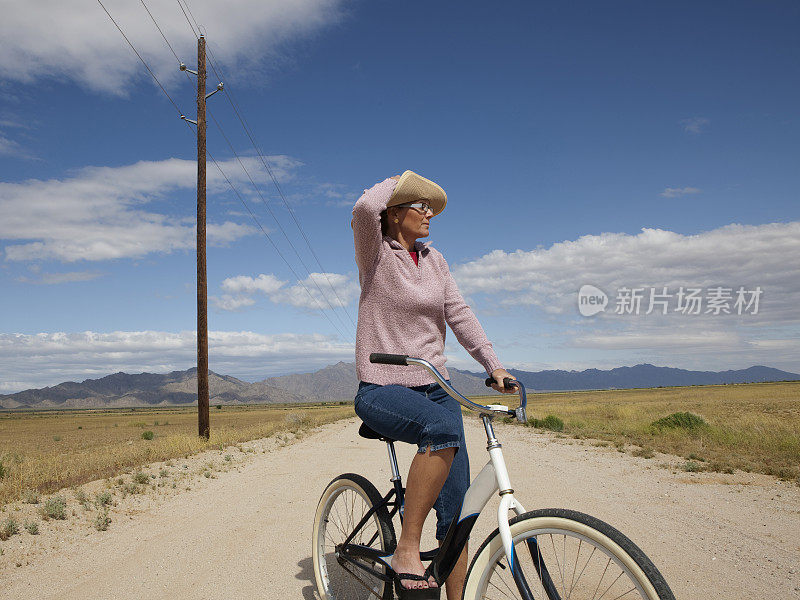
[[555, 556], [577, 560], [506, 595], [633, 589], [564, 562], [594, 596], [610, 586], [584, 567]]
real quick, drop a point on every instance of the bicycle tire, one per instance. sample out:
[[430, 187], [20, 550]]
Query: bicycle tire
[[562, 534], [344, 502]]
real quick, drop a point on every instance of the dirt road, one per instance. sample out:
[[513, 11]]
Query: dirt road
[[246, 533]]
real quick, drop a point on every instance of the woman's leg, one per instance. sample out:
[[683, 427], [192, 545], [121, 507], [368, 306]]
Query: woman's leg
[[454, 586], [408, 415], [450, 499], [425, 479]]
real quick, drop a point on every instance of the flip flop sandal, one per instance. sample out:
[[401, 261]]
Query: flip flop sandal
[[404, 593]]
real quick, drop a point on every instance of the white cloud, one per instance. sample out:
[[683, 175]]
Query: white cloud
[[316, 292], [57, 278], [9, 147], [320, 290], [676, 192], [548, 279], [232, 303], [50, 358], [734, 255], [100, 213], [52, 38], [242, 284], [695, 124]]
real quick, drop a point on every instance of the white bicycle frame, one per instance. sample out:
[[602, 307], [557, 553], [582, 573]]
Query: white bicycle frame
[[493, 478]]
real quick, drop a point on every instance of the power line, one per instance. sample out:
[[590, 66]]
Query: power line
[[268, 168], [162, 33], [230, 183], [342, 304], [140, 58], [187, 18], [283, 231], [274, 245]]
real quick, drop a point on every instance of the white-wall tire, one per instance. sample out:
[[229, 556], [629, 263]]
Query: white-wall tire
[[342, 505], [583, 555]]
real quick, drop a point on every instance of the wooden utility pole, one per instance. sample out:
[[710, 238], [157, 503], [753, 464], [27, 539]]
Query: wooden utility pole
[[203, 425], [202, 286]]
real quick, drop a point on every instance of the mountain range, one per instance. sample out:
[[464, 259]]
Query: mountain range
[[338, 383]]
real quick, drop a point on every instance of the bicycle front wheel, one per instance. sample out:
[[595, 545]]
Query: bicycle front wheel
[[565, 554], [343, 504]]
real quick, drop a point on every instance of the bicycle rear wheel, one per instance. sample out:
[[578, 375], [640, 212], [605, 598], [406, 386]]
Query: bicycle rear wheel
[[343, 504], [564, 555]]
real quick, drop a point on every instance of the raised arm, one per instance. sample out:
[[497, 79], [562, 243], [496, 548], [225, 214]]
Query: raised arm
[[366, 222]]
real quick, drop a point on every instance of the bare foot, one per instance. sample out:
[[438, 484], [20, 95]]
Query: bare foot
[[409, 562]]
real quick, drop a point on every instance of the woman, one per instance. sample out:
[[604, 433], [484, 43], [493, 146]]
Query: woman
[[408, 296]]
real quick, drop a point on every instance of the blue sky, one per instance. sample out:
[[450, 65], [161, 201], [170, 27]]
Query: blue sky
[[618, 144]]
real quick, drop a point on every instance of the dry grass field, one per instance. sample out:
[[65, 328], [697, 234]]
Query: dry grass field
[[751, 427], [47, 450]]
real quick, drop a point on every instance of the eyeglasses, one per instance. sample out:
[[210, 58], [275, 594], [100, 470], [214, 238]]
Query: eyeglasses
[[420, 207]]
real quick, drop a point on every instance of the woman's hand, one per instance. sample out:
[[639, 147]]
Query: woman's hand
[[499, 375]]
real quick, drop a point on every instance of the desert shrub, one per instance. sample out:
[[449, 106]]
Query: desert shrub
[[782, 472], [551, 422], [680, 420], [147, 435], [720, 467], [296, 419], [81, 496], [644, 453], [32, 527], [102, 520], [55, 507], [142, 478], [8, 528], [30, 496], [692, 467], [103, 498]]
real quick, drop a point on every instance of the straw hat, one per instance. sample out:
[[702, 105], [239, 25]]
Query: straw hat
[[415, 188]]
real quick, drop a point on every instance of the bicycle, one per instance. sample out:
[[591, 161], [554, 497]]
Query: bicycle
[[551, 553]]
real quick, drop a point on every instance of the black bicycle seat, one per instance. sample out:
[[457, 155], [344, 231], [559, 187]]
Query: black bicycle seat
[[368, 432]]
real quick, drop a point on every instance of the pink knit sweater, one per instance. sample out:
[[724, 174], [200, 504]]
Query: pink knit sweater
[[404, 307]]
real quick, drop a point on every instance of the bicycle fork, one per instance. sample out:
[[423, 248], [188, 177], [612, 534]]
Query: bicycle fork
[[495, 474]]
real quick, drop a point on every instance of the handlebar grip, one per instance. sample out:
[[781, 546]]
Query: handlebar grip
[[508, 383], [388, 359]]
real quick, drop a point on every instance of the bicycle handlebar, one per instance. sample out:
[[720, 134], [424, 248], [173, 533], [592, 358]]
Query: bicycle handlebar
[[405, 360]]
